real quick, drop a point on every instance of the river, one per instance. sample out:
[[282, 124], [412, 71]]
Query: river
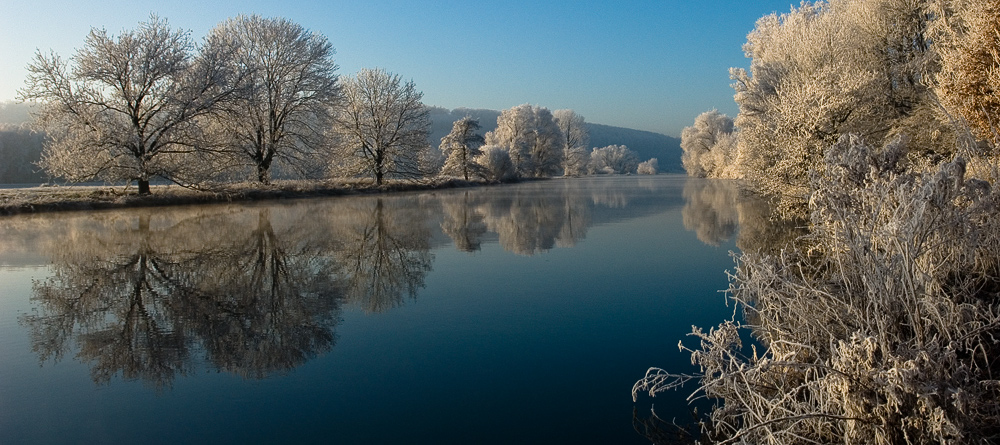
[[511, 314]]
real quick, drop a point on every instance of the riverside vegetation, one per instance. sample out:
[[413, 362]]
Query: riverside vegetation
[[260, 98], [878, 120]]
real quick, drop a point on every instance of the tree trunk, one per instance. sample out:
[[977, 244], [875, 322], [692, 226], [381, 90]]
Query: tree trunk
[[263, 174], [144, 187]]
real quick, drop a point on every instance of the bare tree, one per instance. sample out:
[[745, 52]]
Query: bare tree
[[461, 146], [575, 139], [382, 127], [125, 108], [284, 106]]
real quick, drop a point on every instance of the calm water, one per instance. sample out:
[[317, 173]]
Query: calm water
[[512, 314]]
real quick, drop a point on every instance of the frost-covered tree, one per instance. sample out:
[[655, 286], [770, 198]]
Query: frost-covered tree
[[575, 139], [700, 140], [460, 148], [531, 137], [650, 167], [512, 134], [546, 150], [495, 164], [613, 159], [381, 127], [284, 105], [970, 75], [826, 69], [126, 107]]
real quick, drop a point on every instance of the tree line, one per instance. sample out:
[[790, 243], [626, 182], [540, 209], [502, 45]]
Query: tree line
[[259, 97]]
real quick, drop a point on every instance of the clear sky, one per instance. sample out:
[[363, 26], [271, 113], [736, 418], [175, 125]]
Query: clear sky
[[651, 65]]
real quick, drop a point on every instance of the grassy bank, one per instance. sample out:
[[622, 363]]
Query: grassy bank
[[68, 198]]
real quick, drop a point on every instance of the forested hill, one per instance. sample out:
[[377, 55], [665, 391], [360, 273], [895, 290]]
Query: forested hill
[[20, 147], [666, 149]]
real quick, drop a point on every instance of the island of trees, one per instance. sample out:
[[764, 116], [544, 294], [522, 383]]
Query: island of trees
[[877, 122], [260, 98]]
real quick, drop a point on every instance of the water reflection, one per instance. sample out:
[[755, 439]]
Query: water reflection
[[256, 291], [525, 220], [383, 253], [710, 209], [716, 210], [139, 294]]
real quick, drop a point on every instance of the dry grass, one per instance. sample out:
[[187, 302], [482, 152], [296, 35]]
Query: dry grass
[[63, 198]]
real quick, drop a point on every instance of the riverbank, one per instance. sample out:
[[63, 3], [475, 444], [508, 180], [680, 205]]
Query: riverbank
[[74, 198]]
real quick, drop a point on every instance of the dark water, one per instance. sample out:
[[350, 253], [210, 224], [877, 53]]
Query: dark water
[[513, 314]]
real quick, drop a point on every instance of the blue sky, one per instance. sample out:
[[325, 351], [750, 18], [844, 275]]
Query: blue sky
[[649, 65]]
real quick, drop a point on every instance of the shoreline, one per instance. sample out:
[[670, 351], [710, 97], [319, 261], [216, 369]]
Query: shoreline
[[45, 199]]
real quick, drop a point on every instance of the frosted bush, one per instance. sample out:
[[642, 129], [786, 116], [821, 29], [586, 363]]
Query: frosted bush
[[650, 167], [878, 327]]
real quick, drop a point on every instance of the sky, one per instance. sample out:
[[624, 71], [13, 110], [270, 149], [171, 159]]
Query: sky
[[651, 65]]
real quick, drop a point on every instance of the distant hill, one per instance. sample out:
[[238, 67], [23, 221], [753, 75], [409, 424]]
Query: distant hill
[[646, 144], [20, 147], [666, 149], [14, 113]]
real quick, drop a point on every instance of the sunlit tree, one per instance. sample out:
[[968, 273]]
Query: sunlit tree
[[650, 167], [126, 107], [970, 75], [531, 137], [381, 127], [575, 139], [283, 107], [829, 68], [495, 163], [701, 141], [460, 148], [613, 159]]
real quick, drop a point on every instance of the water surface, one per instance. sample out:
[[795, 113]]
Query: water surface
[[510, 314]]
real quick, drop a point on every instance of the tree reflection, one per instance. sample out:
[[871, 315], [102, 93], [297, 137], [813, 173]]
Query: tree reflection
[[384, 253], [139, 299], [111, 294], [257, 291], [717, 209], [265, 301], [710, 209], [526, 221], [463, 223]]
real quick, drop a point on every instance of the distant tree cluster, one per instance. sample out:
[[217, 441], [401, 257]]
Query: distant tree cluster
[[532, 142]]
